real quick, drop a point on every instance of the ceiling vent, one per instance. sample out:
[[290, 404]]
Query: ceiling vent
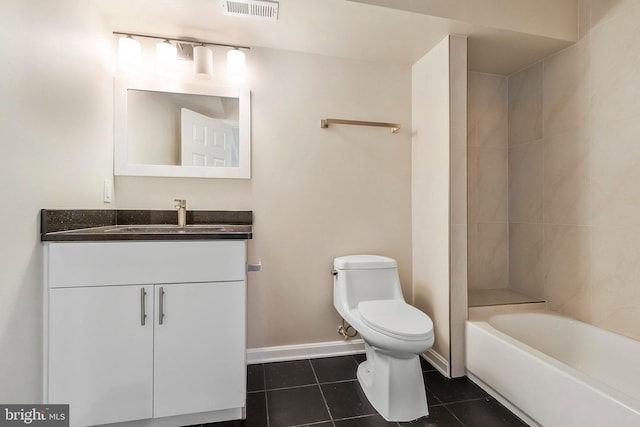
[[252, 8]]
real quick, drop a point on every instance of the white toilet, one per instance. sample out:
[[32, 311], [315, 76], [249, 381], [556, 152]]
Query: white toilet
[[367, 294]]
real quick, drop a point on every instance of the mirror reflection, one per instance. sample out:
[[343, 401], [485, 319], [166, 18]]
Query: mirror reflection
[[180, 129]]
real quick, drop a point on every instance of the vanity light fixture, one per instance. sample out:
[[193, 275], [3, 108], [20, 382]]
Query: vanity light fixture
[[202, 62], [235, 65], [166, 57], [130, 53]]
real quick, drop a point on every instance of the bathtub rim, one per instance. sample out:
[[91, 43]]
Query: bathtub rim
[[480, 319]]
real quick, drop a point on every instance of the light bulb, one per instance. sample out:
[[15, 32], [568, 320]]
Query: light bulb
[[166, 57], [202, 62], [129, 54], [236, 65]]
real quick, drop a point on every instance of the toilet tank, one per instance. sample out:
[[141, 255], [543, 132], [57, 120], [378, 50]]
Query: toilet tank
[[363, 278]]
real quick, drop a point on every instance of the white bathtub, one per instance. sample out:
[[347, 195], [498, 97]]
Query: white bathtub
[[553, 370]]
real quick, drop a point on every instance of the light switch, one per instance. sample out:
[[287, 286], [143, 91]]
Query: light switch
[[107, 192]]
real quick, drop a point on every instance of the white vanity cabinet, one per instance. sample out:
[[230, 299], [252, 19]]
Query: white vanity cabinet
[[151, 332]]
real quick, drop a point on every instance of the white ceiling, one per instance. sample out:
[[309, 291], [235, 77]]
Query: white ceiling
[[501, 42]]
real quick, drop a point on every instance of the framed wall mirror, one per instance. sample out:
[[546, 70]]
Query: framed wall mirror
[[177, 129]]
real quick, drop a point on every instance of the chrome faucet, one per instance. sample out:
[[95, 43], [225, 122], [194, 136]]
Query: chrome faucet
[[181, 205]]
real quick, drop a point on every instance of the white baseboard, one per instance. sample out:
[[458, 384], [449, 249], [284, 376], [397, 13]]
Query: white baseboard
[[438, 362], [327, 349], [304, 351]]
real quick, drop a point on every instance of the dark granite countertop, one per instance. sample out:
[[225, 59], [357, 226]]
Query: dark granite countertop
[[58, 225]]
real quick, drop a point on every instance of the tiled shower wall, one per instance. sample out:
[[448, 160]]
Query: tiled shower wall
[[487, 185], [526, 180], [573, 174]]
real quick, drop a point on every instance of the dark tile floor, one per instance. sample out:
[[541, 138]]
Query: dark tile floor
[[326, 393]]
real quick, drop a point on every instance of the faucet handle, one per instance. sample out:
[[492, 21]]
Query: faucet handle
[[180, 203]]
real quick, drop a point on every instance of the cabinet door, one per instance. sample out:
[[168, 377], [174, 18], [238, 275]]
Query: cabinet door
[[100, 353], [199, 356]]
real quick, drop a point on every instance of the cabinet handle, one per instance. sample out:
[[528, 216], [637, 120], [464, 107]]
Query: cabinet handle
[[161, 307], [143, 314]]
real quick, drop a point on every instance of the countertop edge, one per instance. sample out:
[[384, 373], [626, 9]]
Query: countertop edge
[[55, 221], [141, 237]]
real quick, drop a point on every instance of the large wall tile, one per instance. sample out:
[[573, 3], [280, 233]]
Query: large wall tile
[[615, 272], [567, 269], [492, 184], [615, 67], [525, 182], [615, 173], [525, 259], [603, 10], [487, 181], [493, 256], [566, 89], [492, 112], [566, 178], [574, 173], [525, 105]]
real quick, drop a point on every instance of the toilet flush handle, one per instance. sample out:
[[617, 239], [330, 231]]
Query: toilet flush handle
[[334, 273]]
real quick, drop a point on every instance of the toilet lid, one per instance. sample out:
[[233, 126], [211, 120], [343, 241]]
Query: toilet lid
[[364, 262], [396, 318]]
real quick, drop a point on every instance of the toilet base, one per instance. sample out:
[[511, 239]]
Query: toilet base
[[394, 386]]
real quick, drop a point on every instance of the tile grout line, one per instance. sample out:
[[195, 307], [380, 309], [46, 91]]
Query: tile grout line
[[338, 381], [364, 417], [454, 416], [266, 395], [357, 417], [316, 423], [293, 386], [439, 402], [321, 393]]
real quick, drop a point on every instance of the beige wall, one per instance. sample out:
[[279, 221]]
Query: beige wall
[[316, 193], [547, 18], [439, 196], [458, 200], [430, 190], [153, 134], [56, 133], [574, 198]]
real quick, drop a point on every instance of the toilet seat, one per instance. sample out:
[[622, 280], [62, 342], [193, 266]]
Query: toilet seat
[[396, 318]]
